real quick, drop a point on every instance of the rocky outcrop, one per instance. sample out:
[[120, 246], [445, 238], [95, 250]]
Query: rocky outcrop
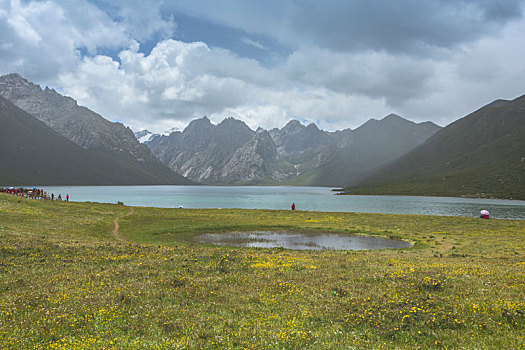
[[253, 161]]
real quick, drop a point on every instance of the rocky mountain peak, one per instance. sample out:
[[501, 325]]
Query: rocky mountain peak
[[293, 126], [233, 124], [293, 122], [198, 124], [231, 134], [390, 121], [229, 152], [201, 121], [13, 84], [312, 126], [393, 120], [42, 104], [393, 116], [14, 79]]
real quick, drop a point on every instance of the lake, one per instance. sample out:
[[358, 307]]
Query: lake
[[282, 197]]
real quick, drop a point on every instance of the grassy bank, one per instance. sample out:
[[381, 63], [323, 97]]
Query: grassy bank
[[70, 280]]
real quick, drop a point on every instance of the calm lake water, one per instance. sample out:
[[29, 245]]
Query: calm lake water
[[300, 241], [281, 197]]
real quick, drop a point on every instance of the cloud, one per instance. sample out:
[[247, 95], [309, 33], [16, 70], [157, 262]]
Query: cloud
[[175, 81], [339, 62], [180, 81], [41, 39], [253, 43], [411, 26], [374, 74], [415, 27], [481, 72], [140, 20], [23, 29]]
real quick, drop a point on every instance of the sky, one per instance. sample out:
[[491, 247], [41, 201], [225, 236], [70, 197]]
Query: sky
[[337, 63]]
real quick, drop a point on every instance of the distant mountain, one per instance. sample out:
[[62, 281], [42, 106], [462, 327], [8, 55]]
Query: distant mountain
[[148, 138], [373, 144], [90, 131], [480, 155], [231, 152], [298, 144], [144, 135]]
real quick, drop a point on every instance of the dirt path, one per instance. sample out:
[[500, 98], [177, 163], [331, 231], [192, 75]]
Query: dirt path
[[116, 227]]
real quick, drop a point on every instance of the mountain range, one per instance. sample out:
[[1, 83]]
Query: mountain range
[[47, 138], [113, 147], [232, 153]]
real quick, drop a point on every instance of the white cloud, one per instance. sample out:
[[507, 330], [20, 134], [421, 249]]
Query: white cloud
[[41, 39], [21, 26], [253, 43], [175, 81], [29, 41], [142, 20], [180, 81]]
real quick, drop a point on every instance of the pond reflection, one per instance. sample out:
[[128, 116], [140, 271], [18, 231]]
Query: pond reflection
[[301, 241]]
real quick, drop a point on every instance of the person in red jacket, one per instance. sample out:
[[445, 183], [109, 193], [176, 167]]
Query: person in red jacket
[[293, 206]]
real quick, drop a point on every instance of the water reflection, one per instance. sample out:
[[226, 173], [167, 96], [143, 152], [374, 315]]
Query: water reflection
[[301, 241]]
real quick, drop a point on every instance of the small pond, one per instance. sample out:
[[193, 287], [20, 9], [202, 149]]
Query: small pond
[[301, 241]]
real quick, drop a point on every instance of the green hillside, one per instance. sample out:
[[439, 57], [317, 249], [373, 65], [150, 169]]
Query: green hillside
[[480, 155], [33, 153]]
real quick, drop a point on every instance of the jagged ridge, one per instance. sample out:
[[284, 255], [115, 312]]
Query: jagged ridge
[[232, 153]]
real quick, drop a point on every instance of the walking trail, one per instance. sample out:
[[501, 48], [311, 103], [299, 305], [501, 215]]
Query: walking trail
[[116, 227]]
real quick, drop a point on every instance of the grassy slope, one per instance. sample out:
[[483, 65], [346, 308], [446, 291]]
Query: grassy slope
[[32, 153], [478, 155], [495, 180], [67, 282]]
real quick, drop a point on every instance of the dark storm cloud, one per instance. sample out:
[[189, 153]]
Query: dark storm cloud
[[412, 26]]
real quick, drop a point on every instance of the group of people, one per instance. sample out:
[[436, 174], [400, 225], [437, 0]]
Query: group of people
[[34, 193]]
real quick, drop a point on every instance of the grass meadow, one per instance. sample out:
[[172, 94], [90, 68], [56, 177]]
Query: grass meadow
[[103, 276]]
